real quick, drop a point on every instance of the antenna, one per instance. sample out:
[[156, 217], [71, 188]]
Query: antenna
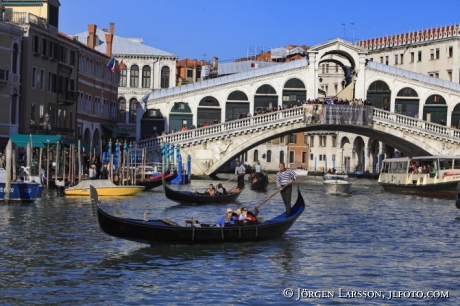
[[353, 28], [344, 31]]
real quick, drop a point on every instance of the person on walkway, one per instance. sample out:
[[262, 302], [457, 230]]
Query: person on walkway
[[284, 179], [240, 170]]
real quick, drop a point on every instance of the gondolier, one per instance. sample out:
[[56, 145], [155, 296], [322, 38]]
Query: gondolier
[[240, 170], [284, 179]]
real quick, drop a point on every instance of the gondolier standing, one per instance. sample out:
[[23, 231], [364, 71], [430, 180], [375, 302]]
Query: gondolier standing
[[240, 170], [284, 179]]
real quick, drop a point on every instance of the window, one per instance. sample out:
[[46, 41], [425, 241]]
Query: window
[[269, 156], [312, 141], [282, 140], [134, 76], [327, 68], [304, 157], [165, 77], [53, 47], [419, 56], [14, 103], [44, 46], [437, 53], [436, 75], [35, 44], [431, 54], [381, 60], [256, 155], [281, 156], [132, 111], [189, 73], [386, 60], [291, 157], [449, 74], [292, 138], [34, 76], [121, 110], [63, 54], [451, 51], [146, 71], [42, 79], [322, 68], [123, 77], [412, 57], [401, 56], [51, 82], [311, 156], [15, 59], [396, 59]]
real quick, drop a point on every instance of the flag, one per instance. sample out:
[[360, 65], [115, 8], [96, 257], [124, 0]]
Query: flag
[[121, 66], [111, 64], [115, 65]]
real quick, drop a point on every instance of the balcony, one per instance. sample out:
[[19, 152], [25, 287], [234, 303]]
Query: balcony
[[67, 97], [24, 18], [49, 129]]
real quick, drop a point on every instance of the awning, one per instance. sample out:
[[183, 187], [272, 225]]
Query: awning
[[38, 141], [84, 147], [116, 129]]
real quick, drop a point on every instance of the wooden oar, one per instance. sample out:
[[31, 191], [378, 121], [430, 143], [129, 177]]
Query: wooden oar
[[233, 178], [256, 209]]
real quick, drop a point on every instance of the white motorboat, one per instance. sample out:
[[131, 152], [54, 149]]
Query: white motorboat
[[337, 183]]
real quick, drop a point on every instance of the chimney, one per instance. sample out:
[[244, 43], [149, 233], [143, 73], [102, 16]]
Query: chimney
[[215, 62], [108, 43], [92, 35], [112, 28]]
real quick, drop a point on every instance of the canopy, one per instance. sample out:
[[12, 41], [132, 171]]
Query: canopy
[[116, 129], [38, 141]]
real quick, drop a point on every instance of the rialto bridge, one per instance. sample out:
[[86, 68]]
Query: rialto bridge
[[403, 92]]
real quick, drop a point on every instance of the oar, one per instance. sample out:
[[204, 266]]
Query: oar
[[233, 178], [256, 209]]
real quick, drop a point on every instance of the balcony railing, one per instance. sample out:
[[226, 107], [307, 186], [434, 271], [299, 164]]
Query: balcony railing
[[67, 97], [49, 129], [24, 17]]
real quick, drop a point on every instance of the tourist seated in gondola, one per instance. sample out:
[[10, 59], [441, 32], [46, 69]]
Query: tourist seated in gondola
[[234, 190], [221, 190], [245, 217], [210, 191], [227, 219]]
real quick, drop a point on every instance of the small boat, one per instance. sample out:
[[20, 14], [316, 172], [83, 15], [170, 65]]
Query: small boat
[[260, 183], [189, 197], [165, 231], [155, 181], [335, 183], [431, 176], [301, 172], [104, 188], [20, 190]]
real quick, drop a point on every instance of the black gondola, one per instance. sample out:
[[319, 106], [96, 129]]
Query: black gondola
[[164, 231], [188, 197], [259, 184], [156, 181]]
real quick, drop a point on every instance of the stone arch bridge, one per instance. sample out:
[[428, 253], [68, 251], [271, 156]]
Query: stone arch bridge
[[213, 146]]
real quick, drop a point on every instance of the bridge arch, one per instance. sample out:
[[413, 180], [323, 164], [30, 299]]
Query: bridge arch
[[379, 94], [407, 102], [265, 96], [435, 109], [237, 101], [208, 111], [294, 90]]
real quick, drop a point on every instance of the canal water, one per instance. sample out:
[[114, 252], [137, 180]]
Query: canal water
[[362, 248]]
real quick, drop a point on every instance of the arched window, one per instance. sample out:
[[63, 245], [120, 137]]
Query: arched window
[[269, 156], [15, 58], [146, 72], [281, 156], [256, 155], [123, 77], [121, 110], [165, 77], [134, 76], [132, 111]]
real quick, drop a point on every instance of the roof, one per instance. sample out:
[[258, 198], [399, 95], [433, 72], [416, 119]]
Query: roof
[[225, 79], [38, 141], [414, 75], [121, 45]]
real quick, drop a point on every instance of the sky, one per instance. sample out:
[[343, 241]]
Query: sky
[[232, 29]]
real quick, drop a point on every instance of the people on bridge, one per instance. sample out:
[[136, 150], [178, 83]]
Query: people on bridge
[[284, 179]]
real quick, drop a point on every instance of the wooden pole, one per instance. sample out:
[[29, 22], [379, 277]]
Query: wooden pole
[[48, 165], [28, 161], [56, 170], [8, 170], [79, 161], [143, 165], [111, 167], [40, 156]]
